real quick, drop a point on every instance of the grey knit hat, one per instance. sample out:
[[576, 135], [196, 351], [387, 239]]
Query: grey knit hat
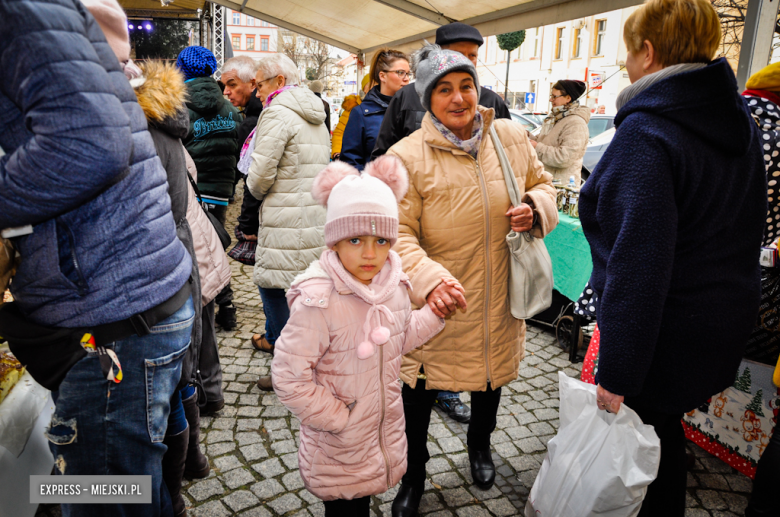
[[431, 63]]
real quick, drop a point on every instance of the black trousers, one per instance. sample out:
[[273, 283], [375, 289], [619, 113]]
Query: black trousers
[[210, 369], [348, 508], [418, 403], [763, 502], [665, 495]]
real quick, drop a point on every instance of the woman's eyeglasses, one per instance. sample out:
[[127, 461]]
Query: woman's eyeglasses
[[402, 73], [556, 96]]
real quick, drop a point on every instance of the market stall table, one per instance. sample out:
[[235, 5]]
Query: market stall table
[[572, 265]]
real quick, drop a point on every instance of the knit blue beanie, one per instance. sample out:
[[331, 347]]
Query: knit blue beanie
[[196, 61]]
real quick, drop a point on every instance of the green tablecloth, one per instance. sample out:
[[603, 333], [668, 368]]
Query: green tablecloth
[[570, 254]]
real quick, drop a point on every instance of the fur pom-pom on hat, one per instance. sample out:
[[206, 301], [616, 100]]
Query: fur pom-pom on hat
[[361, 204]]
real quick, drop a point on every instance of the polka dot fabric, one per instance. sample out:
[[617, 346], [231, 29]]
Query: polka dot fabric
[[586, 305], [196, 61], [766, 113]]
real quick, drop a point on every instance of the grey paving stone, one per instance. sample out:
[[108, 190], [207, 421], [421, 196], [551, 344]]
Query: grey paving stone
[[715, 481], [740, 483], [248, 399], [437, 466], [524, 462], [447, 480], [224, 423], [226, 463], [525, 418], [204, 489], [290, 460], [237, 477], [457, 497], [267, 489], [451, 444], [248, 438], [210, 509], [258, 511], [472, 511], [284, 447], [249, 424], [240, 500], [546, 414], [269, 468], [292, 480], [273, 424], [736, 502], [439, 431], [518, 433], [254, 452], [275, 412], [541, 428], [696, 512], [529, 445], [285, 503], [711, 500], [484, 495], [281, 434], [219, 436], [308, 496], [501, 507], [506, 450]]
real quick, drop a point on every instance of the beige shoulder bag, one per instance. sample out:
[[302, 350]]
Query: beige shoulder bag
[[530, 270]]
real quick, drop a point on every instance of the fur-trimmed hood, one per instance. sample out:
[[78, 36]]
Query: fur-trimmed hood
[[162, 95]]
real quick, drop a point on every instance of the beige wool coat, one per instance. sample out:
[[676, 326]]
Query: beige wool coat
[[452, 224], [292, 145], [561, 150]]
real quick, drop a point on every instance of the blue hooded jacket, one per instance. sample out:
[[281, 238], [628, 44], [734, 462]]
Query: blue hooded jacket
[[69, 125], [362, 129], [674, 214]]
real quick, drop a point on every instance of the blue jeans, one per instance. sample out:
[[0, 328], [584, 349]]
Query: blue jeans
[[276, 312], [100, 427]]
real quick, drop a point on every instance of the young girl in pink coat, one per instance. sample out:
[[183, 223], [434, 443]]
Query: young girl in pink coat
[[337, 360]]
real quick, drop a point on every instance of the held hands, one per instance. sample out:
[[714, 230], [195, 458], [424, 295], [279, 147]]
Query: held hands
[[608, 401], [252, 238], [533, 143], [521, 217], [447, 297]]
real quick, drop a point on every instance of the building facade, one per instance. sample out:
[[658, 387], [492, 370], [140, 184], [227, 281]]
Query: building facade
[[250, 36], [588, 49]]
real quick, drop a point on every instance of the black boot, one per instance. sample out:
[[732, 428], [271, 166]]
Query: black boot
[[197, 465], [483, 471], [226, 317], [407, 501], [173, 468]]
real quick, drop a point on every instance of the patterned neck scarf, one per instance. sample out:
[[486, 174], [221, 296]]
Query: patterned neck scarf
[[471, 145], [556, 114], [249, 144], [271, 97]]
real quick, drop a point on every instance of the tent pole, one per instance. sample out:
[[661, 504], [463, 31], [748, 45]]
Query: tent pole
[[757, 38]]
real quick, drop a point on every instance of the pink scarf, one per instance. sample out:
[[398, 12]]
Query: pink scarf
[[245, 159]]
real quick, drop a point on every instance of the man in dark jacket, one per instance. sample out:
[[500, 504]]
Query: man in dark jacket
[[212, 144], [100, 250], [405, 112], [238, 74]]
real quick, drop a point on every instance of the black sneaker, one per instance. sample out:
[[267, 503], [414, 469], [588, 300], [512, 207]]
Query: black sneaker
[[455, 409], [226, 317]]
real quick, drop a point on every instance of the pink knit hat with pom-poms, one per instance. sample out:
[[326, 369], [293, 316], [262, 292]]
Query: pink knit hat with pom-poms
[[361, 204]]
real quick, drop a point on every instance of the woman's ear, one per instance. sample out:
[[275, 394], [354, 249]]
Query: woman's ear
[[649, 64]]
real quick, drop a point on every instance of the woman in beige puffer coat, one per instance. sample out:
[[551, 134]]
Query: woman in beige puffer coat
[[564, 136]]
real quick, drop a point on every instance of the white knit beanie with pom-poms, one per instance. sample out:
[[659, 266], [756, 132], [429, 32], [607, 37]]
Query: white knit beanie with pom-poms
[[361, 204]]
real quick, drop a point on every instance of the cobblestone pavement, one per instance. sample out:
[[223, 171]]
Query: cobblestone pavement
[[252, 442]]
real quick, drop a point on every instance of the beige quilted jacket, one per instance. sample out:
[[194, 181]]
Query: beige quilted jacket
[[561, 150], [292, 145]]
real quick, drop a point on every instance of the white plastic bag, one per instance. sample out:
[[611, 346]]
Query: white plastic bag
[[599, 464]]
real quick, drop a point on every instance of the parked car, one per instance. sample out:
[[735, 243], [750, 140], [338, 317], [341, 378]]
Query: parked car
[[600, 123], [596, 148], [536, 116], [528, 123]]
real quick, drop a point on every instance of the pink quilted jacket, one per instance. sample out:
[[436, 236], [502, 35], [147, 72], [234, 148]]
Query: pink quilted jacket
[[346, 454]]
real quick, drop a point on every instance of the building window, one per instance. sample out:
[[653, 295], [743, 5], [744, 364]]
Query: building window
[[250, 20], [264, 44], [264, 24], [236, 42], [536, 42], [601, 34], [236, 18], [250, 42], [577, 44], [559, 43]]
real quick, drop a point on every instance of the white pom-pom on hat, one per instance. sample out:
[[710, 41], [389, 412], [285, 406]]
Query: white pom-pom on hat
[[328, 178], [390, 170]]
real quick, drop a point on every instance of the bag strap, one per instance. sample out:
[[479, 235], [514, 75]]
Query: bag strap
[[509, 175]]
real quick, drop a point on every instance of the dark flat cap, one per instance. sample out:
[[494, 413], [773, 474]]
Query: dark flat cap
[[454, 32]]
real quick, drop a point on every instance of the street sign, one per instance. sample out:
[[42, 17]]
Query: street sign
[[350, 82], [596, 79], [530, 98]]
